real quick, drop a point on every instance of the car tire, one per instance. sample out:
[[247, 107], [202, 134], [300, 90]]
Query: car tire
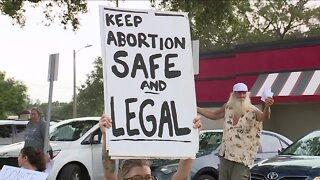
[[205, 177], [71, 172]]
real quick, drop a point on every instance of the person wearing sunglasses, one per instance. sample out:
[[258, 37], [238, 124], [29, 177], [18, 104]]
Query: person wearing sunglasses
[[137, 169]]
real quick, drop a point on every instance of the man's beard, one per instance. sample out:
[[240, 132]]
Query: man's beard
[[239, 107]]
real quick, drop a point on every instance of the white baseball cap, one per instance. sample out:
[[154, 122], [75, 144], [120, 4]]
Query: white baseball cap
[[240, 87]]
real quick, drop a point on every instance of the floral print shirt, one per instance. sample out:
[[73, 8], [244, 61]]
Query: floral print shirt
[[240, 142]]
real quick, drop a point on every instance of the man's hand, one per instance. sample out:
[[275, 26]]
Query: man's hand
[[105, 122], [197, 124], [269, 101]]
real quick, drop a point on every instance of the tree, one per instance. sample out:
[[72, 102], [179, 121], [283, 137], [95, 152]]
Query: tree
[[208, 18], [59, 111], [224, 24], [90, 96], [67, 11], [13, 96], [281, 20]]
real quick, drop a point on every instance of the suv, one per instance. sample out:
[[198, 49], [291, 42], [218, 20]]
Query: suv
[[77, 150], [12, 131], [206, 164]]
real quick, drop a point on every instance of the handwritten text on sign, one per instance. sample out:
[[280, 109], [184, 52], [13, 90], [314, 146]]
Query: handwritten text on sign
[[149, 85], [14, 173]]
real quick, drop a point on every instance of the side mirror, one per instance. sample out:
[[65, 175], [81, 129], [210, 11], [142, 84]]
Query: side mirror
[[280, 150]]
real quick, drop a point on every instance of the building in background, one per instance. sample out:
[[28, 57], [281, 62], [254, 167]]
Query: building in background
[[291, 68], [24, 115]]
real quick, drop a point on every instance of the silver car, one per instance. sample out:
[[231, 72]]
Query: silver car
[[205, 166]]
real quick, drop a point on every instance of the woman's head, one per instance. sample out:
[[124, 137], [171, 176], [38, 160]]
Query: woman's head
[[32, 159], [35, 114], [135, 169]]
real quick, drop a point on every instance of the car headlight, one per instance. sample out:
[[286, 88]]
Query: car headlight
[[168, 169], [55, 153]]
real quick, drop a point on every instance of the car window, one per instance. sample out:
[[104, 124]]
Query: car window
[[209, 141], [5, 134], [284, 144], [20, 131], [309, 145], [270, 143], [96, 137], [10, 133], [71, 131]]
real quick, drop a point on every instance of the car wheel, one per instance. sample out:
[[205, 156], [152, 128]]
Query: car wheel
[[71, 172], [205, 177]]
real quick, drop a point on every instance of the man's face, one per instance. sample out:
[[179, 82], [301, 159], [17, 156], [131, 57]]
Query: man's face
[[241, 95]]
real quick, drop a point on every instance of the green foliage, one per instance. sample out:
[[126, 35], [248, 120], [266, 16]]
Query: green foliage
[[13, 96], [209, 19], [281, 20], [90, 97], [59, 111], [220, 24], [67, 11]]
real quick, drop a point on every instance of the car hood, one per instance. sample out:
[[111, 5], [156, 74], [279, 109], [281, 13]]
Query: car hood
[[13, 150], [288, 163]]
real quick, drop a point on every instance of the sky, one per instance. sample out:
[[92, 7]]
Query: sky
[[24, 52]]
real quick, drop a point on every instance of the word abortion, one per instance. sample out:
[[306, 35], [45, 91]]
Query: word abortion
[[142, 40]]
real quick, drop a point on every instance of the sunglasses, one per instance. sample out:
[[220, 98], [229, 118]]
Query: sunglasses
[[138, 177]]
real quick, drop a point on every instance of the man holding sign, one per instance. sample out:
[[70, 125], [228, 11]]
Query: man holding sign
[[148, 73]]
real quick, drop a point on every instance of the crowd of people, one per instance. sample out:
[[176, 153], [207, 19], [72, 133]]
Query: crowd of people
[[240, 143]]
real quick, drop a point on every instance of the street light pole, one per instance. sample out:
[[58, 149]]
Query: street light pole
[[75, 81]]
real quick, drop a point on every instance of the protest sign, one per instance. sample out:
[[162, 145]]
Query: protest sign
[[14, 173], [148, 83]]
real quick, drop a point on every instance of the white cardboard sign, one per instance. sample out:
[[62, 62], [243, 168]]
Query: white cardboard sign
[[148, 83], [14, 173]]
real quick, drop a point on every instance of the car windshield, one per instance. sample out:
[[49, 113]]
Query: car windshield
[[309, 145], [209, 141], [71, 131]]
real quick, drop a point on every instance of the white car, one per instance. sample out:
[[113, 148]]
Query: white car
[[77, 150], [12, 131]]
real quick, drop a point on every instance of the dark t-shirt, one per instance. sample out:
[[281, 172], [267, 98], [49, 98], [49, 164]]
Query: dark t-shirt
[[35, 134]]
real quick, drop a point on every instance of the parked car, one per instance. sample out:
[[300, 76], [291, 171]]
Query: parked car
[[12, 131], [299, 161], [206, 164], [76, 144]]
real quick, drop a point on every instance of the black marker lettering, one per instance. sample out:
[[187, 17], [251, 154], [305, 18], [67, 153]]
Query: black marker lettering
[[124, 64], [130, 115], [149, 118]]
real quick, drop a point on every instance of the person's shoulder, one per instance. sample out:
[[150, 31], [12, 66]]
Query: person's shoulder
[[43, 122]]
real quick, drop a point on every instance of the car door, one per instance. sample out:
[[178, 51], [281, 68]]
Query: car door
[[96, 147], [270, 145]]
